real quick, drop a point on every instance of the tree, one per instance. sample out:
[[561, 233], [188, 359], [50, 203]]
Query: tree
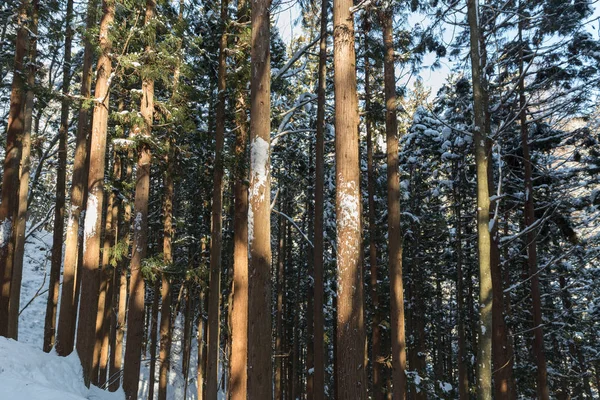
[[239, 312], [59, 211], [319, 290], [484, 345], [259, 210], [65, 337], [351, 376], [135, 313], [394, 229], [10, 177], [88, 304], [24, 172], [214, 303]]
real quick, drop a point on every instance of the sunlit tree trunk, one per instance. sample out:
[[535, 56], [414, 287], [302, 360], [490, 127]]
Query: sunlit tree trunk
[[484, 342], [12, 158], [68, 304], [259, 211], [24, 170], [135, 310], [239, 311], [59, 210], [351, 375], [93, 216], [394, 229]]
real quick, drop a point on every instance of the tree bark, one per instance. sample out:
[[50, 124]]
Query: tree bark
[[135, 313], [259, 212], [68, 305], [463, 376], [377, 385], [23, 190], [538, 331], [120, 285], [88, 305], [394, 228], [214, 303], [10, 177], [165, 314], [351, 375], [153, 339], [59, 210], [239, 314], [319, 290], [484, 343], [279, 328]]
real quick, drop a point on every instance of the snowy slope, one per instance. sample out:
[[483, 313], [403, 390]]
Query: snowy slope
[[30, 374]]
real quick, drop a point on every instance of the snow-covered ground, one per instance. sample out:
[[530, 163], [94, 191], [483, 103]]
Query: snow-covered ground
[[64, 373], [27, 373]]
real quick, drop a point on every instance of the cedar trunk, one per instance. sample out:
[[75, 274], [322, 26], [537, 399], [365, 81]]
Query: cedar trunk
[[135, 313], [538, 332], [351, 375], [377, 386], [484, 342], [259, 211], [68, 306], [88, 305], [319, 291], [21, 217], [59, 211], [214, 303], [394, 229], [239, 313], [164, 356], [10, 177]]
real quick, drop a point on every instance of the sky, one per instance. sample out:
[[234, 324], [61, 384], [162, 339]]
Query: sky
[[289, 11]]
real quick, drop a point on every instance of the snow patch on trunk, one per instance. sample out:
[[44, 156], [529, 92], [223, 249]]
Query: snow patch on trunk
[[91, 218], [259, 173], [5, 228]]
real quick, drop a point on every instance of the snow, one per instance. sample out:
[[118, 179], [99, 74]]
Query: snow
[[91, 217], [27, 373], [259, 171], [446, 387], [5, 227]]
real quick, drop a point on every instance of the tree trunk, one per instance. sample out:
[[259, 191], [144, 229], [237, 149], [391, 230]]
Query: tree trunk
[[214, 303], [120, 282], [259, 212], [319, 290], [10, 177], [239, 314], [394, 229], [153, 339], [68, 308], [377, 384], [279, 360], [93, 216], [351, 374], [165, 314], [201, 373], [484, 345], [59, 210], [21, 217], [187, 337], [463, 376], [135, 313], [538, 332]]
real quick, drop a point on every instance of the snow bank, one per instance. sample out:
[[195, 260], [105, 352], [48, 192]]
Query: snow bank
[[30, 374]]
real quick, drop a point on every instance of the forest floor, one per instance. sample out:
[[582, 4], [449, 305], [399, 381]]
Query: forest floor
[[26, 371]]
